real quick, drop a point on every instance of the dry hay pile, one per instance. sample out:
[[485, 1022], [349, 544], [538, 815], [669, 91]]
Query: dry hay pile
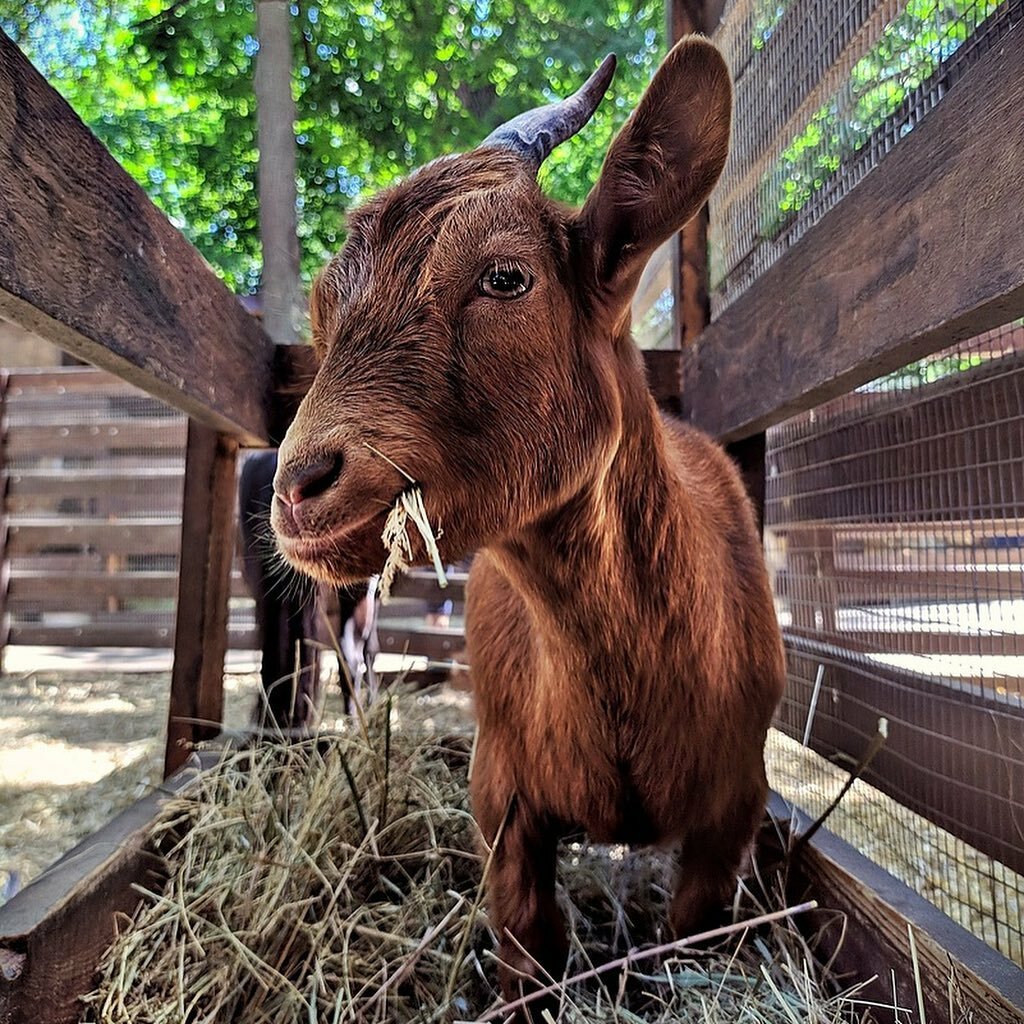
[[338, 879]]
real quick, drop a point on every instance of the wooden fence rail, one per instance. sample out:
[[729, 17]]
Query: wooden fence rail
[[878, 283]]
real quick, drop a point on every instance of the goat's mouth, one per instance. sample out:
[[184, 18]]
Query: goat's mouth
[[348, 551]]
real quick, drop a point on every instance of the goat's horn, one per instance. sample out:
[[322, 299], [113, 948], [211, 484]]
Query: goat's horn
[[535, 134]]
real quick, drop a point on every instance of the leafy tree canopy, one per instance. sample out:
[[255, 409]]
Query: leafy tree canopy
[[381, 86]]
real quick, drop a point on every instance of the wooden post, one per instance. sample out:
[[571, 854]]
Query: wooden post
[[204, 585], [5, 565]]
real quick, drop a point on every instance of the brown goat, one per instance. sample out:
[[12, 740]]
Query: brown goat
[[622, 639]]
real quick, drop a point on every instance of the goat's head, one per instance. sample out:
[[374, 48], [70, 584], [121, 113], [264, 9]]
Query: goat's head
[[476, 334]]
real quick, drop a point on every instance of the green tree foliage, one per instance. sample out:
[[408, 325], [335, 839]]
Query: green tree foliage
[[381, 85], [910, 50]]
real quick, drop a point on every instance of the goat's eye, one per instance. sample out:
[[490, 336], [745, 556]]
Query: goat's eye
[[505, 281]]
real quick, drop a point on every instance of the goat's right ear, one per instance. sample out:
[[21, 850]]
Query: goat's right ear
[[661, 167], [321, 322]]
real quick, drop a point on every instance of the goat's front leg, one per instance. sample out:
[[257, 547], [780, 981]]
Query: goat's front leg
[[521, 896]]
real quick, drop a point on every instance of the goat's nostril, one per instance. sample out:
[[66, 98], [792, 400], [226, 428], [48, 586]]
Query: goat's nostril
[[302, 482]]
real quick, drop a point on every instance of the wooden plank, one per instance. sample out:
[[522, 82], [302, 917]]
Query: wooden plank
[[901, 267], [33, 488], [952, 754], [90, 264], [937, 451], [96, 438], [42, 589], [59, 563], [422, 585], [414, 637], [54, 931], [55, 381], [155, 536], [201, 632], [924, 640], [879, 585], [872, 940], [120, 633]]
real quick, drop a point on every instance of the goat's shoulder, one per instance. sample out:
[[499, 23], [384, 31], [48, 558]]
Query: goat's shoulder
[[702, 467]]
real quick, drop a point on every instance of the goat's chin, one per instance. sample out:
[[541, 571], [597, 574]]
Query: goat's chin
[[339, 558]]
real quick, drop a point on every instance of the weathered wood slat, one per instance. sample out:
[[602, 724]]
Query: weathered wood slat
[[39, 493], [96, 438], [969, 583], [52, 590], [422, 585], [93, 481], [924, 252], [50, 382], [90, 264], [951, 751], [924, 639], [415, 637], [121, 633], [156, 536], [59, 563]]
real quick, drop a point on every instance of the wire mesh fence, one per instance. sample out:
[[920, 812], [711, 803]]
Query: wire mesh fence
[[824, 89], [895, 536]]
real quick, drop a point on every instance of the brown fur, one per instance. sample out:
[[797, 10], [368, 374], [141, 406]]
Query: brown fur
[[620, 626]]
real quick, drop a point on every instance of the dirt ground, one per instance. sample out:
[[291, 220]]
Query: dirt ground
[[75, 748]]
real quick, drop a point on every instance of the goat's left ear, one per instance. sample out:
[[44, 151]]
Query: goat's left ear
[[661, 167]]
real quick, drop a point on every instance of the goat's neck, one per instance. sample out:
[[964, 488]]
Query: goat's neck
[[587, 570]]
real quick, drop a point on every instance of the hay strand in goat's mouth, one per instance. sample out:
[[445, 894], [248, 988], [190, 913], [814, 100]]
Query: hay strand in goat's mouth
[[336, 880], [408, 506]]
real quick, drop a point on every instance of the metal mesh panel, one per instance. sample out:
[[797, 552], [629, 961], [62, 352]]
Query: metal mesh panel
[[895, 537], [94, 471], [824, 89]]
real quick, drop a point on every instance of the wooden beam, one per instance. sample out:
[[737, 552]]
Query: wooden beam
[[200, 636], [150, 536], [53, 932], [90, 264], [926, 251], [870, 939]]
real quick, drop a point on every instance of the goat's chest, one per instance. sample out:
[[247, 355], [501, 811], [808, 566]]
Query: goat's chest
[[616, 735], [605, 744]]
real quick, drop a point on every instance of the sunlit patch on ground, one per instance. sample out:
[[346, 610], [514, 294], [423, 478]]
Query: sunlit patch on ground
[[75, 749]]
